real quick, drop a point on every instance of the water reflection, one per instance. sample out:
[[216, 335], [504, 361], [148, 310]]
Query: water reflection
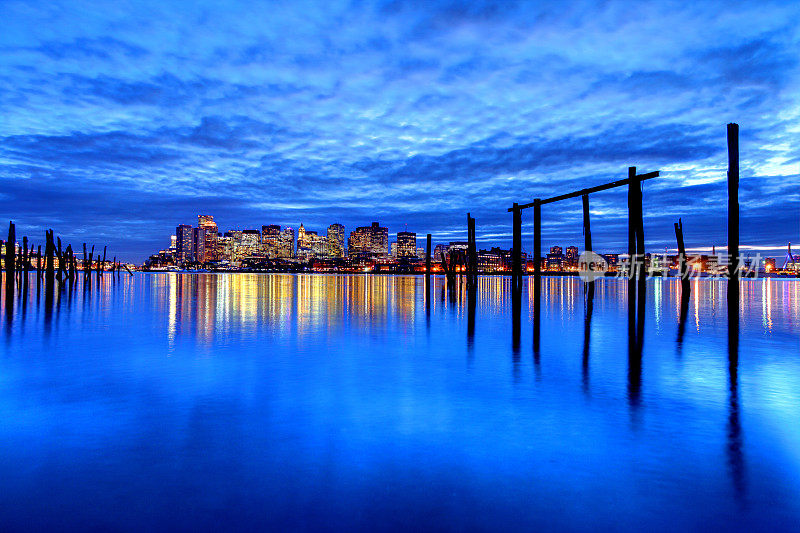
[[587, 334], [353, 381], [734, 447]]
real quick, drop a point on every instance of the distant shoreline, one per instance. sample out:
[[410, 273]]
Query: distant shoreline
[[441, 274]]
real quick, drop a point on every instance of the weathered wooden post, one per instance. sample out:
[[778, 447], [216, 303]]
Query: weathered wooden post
[[472, 254], [587, 230], [516, 252], [39, 265], [102, 268], [60, 256], [682, 266], [733, 203], [537, 238], [632, 223], [587, 247], [10, 257], [48, 253], [25, 257], [428, 256]]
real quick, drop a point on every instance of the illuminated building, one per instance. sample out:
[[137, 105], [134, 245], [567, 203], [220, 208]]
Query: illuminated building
[[211, 233], [286, 244], [369, 241], [490, 260], [310, 245], [555, 259], [318, 244], [406, 244], [571, 258], [198, 245], [335, 240], [183, 243], [270, 240], [250, 243], [301, 237], [225, 245]]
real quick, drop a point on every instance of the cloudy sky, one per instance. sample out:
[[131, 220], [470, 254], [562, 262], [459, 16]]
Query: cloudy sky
[[119, 121]]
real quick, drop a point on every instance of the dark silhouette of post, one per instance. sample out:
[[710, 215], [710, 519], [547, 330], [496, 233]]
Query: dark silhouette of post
[[587, 239], [49, 252], [537, 239], [733, 204], [472, 254], [428, 256], [516, 252], [25, 257], [516, 323], [11, 270], [587, 230], [587, 333], [683, 269], [734, 446], [635, 224]]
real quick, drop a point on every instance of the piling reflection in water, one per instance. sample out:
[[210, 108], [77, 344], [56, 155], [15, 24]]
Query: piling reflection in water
[[358, 370], [734, 447]]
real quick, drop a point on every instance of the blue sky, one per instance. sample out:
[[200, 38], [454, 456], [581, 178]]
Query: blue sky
[[120, 120]]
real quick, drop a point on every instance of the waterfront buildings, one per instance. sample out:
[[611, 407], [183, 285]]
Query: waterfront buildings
[[183, 243], [336, 241], [406, 244], [369, 241]]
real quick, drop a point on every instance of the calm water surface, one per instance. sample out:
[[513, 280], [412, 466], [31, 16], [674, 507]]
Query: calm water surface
[[314, 402]]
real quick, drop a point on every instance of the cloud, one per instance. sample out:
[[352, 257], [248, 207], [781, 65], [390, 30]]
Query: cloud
[[404, 111]]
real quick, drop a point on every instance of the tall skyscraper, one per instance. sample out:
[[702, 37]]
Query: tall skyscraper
[[183, 243], [199, 245], [286, 244], [571, 260], [270, 240], [250, 242], [380, 240], [369, 240], [210, 245], [406, 244], [336, 240]]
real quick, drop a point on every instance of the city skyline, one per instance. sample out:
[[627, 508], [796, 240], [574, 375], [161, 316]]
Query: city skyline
[[370, 248], [405, 112]]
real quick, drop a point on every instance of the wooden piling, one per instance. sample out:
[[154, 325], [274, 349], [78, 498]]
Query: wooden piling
[[537, 238], [10, 257], [428, 256], [631, 221], [516, 252], [682, 266], [587, 230], [472, 254], [733, 203], [25, 256], [60, 256], [49, 267]]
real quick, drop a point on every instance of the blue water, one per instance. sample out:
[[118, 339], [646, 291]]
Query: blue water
[[343, 403]]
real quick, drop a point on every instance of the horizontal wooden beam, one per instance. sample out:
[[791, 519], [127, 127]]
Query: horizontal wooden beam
[[598, 188]]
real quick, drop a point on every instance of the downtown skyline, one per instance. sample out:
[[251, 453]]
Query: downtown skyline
[[411, 114]]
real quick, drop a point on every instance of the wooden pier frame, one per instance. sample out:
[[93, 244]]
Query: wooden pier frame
[[635, 219]]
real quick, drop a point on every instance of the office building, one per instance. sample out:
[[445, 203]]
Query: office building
[[406, 244], [335, 240], [183, 243]]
